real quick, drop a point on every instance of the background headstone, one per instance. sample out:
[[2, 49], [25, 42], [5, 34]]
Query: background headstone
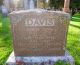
[[39, 32]]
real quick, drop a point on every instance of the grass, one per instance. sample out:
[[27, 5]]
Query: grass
[[5, 39], [73, 41]]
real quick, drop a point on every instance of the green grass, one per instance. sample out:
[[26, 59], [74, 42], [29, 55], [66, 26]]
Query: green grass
[[5, 39], [73, 41]]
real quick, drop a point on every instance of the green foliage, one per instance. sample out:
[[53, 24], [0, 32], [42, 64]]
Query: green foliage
[[60, 4], [5, 39], [74, 3], [73, 41], [56, 3], [60, 62]]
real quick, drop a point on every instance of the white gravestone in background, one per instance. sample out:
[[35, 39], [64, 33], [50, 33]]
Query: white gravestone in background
[[29, 4]]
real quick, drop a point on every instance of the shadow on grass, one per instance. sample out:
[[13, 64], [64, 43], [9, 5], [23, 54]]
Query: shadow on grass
[[77, 15], [75, 26], [75, 19]]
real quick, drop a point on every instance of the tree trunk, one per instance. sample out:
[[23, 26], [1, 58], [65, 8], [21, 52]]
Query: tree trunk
[[66, 6]]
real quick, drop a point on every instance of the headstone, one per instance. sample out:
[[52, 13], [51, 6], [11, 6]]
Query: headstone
[[4, 11], [9, 4], [40, 59], [32, 4], [39, 32]]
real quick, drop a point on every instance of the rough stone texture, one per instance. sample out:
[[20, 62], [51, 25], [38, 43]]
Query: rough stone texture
[[40, 59], [39, 32]]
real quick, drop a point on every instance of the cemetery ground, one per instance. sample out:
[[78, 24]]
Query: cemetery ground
[[73, 41]]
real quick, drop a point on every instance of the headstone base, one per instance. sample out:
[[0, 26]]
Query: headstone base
[[39, 60]]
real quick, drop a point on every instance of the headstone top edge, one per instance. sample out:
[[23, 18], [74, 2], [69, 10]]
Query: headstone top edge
[[26, 11], [38, 11]]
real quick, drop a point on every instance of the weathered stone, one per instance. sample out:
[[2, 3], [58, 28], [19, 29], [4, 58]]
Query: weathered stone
[[39, 32], [41, 59]]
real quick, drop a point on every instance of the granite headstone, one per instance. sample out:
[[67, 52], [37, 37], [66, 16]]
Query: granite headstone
[[39, 32]]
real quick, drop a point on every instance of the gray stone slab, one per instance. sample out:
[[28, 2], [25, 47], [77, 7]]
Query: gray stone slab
[[39, 32], [11, 60]]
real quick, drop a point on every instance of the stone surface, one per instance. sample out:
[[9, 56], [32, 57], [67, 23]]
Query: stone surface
[[39, 32], [39, 59]]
